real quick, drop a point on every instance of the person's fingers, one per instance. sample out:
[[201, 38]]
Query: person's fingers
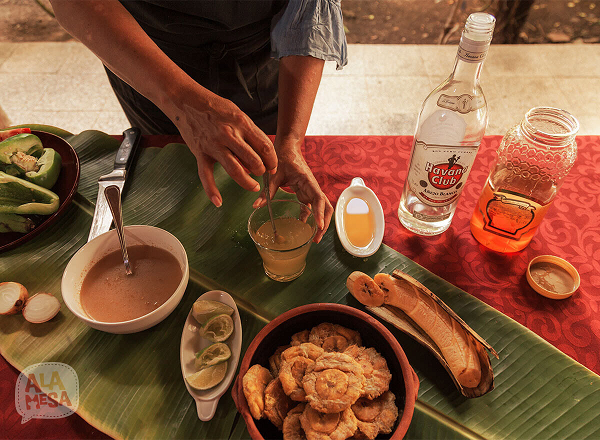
[[247, 156], [263, 146], [259, 202], [236, 171], [207, 178], [327, 219], [319, 212], [319, 236], [274, 184], [305, 213]]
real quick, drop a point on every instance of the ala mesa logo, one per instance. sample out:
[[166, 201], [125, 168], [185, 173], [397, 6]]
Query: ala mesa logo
[[48, 390]]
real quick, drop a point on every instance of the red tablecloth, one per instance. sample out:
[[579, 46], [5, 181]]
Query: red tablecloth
[[570, 230]]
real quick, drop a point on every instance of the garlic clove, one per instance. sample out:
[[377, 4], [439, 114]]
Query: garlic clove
[[12, 297], [41, 307]]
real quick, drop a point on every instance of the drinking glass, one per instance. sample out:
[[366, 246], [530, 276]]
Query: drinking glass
[[284, 257]]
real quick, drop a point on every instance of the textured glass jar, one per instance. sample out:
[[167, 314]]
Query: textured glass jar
[[533, 159]]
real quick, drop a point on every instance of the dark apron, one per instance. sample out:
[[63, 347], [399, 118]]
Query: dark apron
[[223, 45]]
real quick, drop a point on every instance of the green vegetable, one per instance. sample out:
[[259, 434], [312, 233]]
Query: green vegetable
[[15, 223], [12, 169], [47, 169], [26, 143], [18, 196]]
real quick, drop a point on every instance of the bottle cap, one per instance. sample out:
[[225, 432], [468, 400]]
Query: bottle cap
[[480, 26], [552, 277]]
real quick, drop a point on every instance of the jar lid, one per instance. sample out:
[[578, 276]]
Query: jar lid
[[552, 277]]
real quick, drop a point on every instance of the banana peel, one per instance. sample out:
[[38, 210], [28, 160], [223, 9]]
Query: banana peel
[[368, 292]]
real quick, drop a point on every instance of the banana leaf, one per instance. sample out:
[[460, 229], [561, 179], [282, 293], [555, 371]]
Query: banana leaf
[[131, 385]]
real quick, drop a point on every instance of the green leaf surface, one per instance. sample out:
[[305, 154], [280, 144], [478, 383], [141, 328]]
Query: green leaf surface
[[131, 385]]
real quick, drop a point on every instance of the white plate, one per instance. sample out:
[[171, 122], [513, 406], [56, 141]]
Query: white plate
[[192, 342], [358, 189]]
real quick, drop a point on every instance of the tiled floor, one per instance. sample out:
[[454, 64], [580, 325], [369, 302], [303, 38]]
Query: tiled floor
[[379, 92]]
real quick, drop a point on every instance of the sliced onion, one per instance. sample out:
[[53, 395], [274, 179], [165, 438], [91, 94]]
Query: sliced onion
[[41, 307], [12, 297]]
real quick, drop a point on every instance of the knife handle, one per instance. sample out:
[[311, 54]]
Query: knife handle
[[127, 149]]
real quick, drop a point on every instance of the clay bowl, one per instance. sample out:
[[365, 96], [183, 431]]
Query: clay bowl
[[404, 384], [95, 249]]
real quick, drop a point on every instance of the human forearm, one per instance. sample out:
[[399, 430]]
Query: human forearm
[[299, 79], [214, 128], [109, 31]]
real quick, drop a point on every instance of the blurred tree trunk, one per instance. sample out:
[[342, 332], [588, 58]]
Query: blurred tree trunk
[[510, 15]]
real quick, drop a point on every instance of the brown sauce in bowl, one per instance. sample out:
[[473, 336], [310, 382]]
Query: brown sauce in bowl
[[109, 295]]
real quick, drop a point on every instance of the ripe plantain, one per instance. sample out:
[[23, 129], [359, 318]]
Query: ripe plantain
[[364, 289]]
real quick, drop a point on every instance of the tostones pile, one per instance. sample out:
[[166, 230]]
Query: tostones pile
[[324, 385]]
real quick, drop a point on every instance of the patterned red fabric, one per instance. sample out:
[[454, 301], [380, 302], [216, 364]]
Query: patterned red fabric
[[571, 230]]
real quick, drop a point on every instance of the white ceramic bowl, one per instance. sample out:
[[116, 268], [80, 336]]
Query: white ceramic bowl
[[95, 249], [358, 189]]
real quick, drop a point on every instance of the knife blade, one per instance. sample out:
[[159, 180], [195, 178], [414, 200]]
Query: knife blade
[[102, 216]]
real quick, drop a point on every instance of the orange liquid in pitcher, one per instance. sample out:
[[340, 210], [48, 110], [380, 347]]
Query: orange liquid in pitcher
[[359, 222], [505, 221]]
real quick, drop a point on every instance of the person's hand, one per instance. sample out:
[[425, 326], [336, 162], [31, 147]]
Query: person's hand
[[293, 172], [214, 128], [221, 132]]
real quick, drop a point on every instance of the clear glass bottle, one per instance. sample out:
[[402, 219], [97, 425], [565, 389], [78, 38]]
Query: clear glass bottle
[[449, 130], [533, 159]]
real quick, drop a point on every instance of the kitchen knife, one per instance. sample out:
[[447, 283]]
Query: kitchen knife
[[102, 215]]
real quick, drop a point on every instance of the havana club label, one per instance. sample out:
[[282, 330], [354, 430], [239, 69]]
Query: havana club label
[[438, 173]]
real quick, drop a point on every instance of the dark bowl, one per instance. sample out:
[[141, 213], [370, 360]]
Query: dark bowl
[[65, 187], [278, 332]]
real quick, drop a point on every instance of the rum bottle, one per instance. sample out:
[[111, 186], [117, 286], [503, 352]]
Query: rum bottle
[[449, 130]]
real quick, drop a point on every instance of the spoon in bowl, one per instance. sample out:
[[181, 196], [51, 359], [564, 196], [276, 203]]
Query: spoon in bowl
[[113, 197]]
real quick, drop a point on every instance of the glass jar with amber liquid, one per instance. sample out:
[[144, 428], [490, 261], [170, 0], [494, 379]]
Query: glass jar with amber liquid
[[533, 159]]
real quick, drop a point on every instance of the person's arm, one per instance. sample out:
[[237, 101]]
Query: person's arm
[[214, 128], [304, 34], [299, 78]]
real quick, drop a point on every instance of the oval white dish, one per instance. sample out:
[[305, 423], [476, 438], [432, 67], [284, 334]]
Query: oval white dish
[[192, 342], [358, 189]]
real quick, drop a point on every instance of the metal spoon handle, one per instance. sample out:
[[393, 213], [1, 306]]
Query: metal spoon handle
[[268, 196], [113, 197]]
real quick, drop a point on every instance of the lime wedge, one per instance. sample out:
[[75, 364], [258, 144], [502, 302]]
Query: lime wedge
[[208, 377], [203, 310], [212, 355], [217, 328]]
